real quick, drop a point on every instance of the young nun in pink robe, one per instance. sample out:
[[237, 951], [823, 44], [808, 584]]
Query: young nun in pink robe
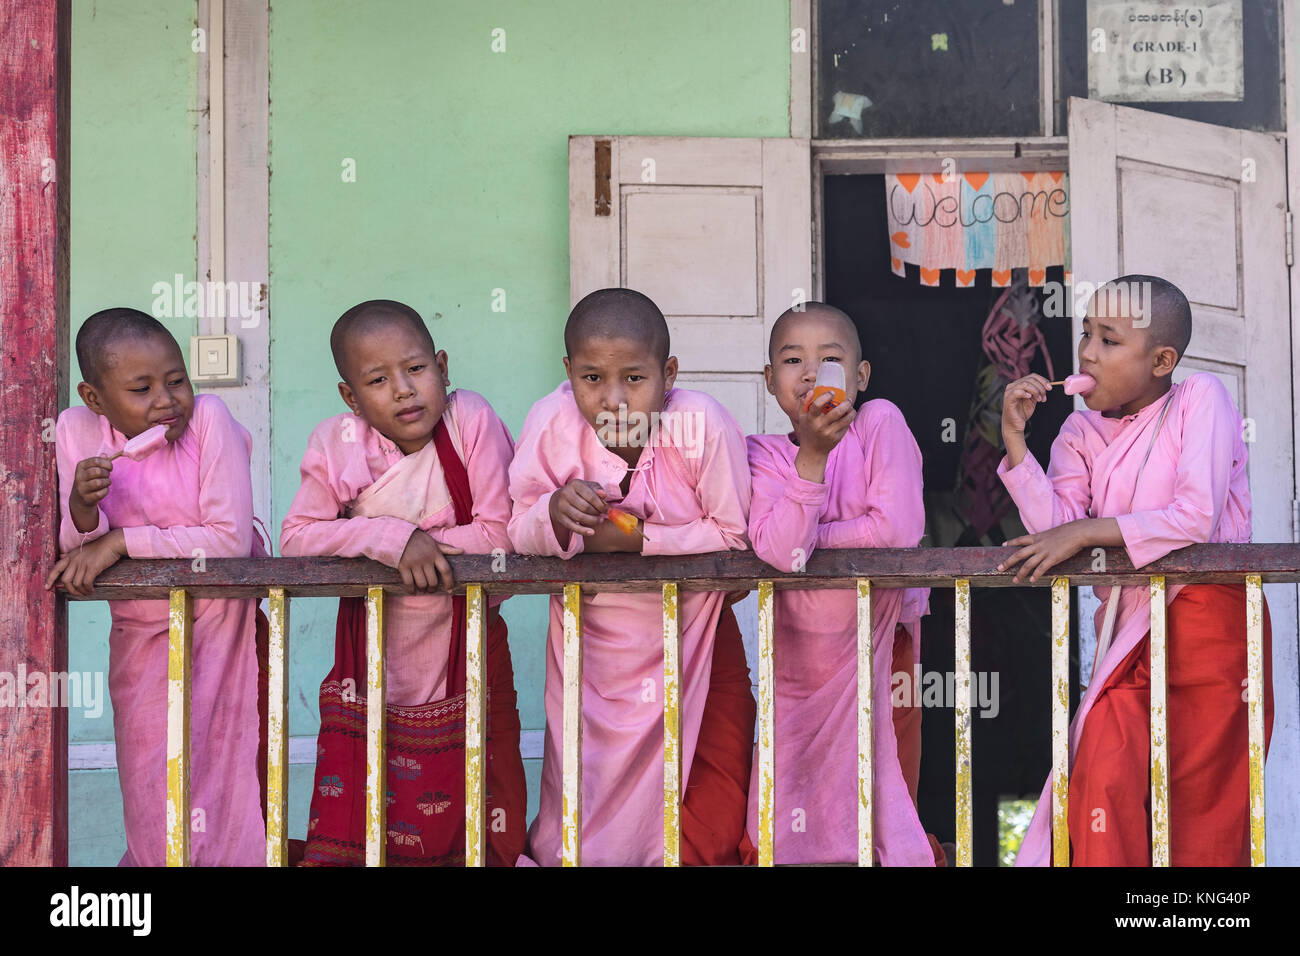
[[839, 479], [190, 498], [374, 484], [688, 486], [1151, 467]]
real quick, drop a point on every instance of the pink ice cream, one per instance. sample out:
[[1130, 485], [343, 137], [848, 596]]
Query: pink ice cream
[[1079, 384], [145, 444]]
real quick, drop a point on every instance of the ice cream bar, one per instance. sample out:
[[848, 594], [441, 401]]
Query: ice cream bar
[[144, 444], [625, 522], [830, 384], [1079, 384]]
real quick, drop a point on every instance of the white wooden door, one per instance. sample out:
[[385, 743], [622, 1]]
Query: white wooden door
[[717, 231], [1205, 207]]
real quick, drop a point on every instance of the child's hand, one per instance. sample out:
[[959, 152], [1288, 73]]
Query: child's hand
[[423, 566], [90, 484], [1043, 551], [80, 567], [1020, 399], [820, 431], [577, 507]]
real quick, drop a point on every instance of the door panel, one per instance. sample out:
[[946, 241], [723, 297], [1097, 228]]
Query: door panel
[[717, 231], [1204, 206]]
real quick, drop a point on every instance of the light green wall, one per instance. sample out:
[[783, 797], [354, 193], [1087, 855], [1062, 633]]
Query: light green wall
[[461, 188], [133, 224]]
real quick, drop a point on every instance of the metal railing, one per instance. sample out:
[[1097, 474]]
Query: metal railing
[[863, 570]]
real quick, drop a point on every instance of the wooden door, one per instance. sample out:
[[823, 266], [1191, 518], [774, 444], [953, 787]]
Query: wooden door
[[1205, 207], [717, 231]]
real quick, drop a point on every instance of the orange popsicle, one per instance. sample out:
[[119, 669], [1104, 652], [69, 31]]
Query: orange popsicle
[[830, 383], [625, 522]]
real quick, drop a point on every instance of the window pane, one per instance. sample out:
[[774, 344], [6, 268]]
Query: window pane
[[1261, 107], [927, 68]]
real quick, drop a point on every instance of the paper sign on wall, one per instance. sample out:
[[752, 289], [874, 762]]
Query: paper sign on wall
[[1156, 51]]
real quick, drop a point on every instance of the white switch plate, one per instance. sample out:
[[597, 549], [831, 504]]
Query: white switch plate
[[214, 360]]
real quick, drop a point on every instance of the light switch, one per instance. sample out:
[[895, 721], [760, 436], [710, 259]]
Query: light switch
[[214, 360]]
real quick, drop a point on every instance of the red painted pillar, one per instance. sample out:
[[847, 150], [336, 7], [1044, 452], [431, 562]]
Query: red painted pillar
[[34, 128]]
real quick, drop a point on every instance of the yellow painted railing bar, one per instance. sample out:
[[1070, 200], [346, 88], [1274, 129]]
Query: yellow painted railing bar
[[1255, 710], [277, 732], [1060, 721], [180, 632], [961, 690], [475, 727], [766, 729], [571, 835], [1159, 731], [376, 758], [672, 727], [866, 777]]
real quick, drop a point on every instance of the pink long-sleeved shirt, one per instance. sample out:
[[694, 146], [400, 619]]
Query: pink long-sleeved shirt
[[1192, 489], [192, 498], [871, 498], [693, 498], [345, 456]]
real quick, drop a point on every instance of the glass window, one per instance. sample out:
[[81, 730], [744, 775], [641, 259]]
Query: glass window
[[1259, 108], [927, 68]]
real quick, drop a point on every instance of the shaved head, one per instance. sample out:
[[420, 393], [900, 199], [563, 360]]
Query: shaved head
[[105, 329], [1157, 300], [617, 314], [367, 317], [818, 311]]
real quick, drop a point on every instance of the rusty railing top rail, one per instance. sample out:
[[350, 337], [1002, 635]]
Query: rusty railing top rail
[[716, 571]]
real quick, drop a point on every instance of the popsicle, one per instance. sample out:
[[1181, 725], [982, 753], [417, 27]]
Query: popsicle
[[830, 383], [144, 444], [625, 522], [1077, 384]]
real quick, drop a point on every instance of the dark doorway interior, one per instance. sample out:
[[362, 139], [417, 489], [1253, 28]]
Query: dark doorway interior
[[924, 345]]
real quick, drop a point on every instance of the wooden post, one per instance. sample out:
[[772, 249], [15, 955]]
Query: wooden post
[[672, 726], [866, 725], [766, 728], [476, 610], [34, 129], [571, 729]]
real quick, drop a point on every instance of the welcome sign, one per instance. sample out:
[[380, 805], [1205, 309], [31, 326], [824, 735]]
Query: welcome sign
[[970, 221]]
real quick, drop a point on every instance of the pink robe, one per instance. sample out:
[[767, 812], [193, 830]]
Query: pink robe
[[1193, 490], [871, 498], [345, 458], [693, 500], [191, 497]]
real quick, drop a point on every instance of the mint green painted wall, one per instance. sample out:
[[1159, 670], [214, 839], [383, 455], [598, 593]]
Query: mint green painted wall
[[133, 224], [462, 188]]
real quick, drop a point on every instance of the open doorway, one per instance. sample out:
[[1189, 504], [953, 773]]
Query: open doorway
[[925, 345]]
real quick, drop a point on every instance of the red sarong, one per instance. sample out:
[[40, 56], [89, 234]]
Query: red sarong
[[717, 791], [425, 758], [1209, 796]]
